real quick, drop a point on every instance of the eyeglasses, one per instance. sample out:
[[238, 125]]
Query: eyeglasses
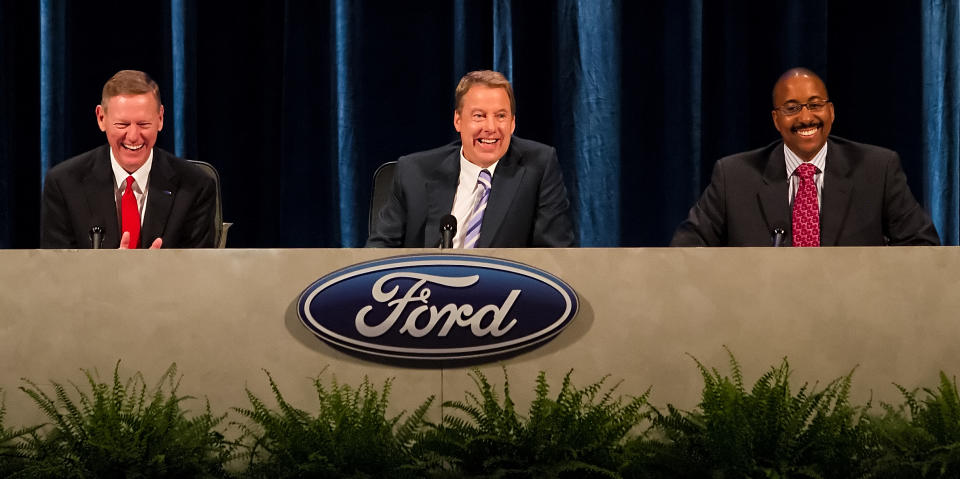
[[791, 109]]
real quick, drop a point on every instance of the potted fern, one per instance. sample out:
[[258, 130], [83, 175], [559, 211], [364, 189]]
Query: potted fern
[[350, 435], [578, 433], [766, 431], [122, 429]]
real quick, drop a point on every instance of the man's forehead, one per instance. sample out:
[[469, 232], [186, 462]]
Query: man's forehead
[[800, 88], [133, 100]]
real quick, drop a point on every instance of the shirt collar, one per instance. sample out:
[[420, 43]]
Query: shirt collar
[[793, 161], [470, 170], [140, 176]]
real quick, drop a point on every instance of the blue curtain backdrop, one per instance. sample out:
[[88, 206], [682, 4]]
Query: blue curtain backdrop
[[941, 115], [297, 103]]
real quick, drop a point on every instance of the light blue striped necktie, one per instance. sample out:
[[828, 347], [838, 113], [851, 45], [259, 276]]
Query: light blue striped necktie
[[476, 217]]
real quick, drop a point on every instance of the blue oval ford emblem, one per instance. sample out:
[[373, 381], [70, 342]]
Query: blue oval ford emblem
[[437, 307]]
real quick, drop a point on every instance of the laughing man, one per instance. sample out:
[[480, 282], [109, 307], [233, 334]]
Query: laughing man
[[504, 191], [138, 195], [810, 189]]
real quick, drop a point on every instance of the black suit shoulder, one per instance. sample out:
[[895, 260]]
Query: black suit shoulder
[[188, 175], [432, 154], [529, 146], [81, 165], [753, 160]]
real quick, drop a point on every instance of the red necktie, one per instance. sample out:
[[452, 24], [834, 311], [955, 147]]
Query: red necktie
[[130, 214], [806, 211]]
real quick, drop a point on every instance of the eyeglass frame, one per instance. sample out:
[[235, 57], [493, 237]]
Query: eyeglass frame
[[802, 106]]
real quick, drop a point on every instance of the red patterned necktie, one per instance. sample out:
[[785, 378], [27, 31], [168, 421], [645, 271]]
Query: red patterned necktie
[[130, 214], [806, 210]]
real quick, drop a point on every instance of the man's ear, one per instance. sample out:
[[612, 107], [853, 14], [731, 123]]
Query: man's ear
[[160, 124], [100, 117], [456, 120]]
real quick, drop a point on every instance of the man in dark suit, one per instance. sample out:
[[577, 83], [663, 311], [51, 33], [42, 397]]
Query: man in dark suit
[[763, 198], [138, 196], [504, 191]]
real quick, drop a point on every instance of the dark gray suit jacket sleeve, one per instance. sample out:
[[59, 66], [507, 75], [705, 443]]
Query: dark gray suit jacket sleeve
[[905, 222], [552, 226], [706, 223], [56, 229]]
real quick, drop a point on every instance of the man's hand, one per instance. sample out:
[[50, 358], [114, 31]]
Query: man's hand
[[125, 242]]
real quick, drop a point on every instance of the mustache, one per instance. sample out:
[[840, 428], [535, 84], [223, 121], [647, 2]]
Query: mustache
[[809, 124]]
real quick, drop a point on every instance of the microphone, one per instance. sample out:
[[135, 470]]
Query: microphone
[[778, 234], [448, 229], [96, 236]]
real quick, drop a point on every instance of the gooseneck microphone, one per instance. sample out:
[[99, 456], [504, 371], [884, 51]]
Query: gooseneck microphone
[[96, 236], [778, 234], [448, 229]]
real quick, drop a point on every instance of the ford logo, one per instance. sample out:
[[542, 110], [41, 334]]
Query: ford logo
[[430, 307]]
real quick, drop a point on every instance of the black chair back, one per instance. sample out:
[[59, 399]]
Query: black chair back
[[219, 227], [382, 186]]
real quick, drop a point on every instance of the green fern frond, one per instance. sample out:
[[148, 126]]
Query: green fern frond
[[350, 435], [766, 431], [579, 429], [110, 428]]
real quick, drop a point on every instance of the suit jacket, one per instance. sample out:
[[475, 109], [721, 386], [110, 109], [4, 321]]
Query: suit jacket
[[865, 201], [79, 194], [528, 204]]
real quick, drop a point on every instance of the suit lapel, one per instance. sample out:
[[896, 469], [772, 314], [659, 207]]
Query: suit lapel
[[163, 187], [836, 195], [100, 193], [441, 189], [773, 194], [506, 181]]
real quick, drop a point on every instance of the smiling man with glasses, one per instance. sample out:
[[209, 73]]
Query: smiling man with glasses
[[808, 189]]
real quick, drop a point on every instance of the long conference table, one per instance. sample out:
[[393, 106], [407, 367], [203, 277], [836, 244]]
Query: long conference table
[[225, 316]]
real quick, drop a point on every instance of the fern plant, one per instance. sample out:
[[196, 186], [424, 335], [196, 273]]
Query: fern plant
[[921, 437], [767, 431], [13, 449], [579, 433], [350, 435], [122, 430]]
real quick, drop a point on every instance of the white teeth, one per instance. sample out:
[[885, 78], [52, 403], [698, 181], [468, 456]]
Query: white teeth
[[807, 131], [488, 141], [134, 148]]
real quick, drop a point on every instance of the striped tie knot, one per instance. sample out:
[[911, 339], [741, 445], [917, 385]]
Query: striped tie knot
[[484, 180]]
